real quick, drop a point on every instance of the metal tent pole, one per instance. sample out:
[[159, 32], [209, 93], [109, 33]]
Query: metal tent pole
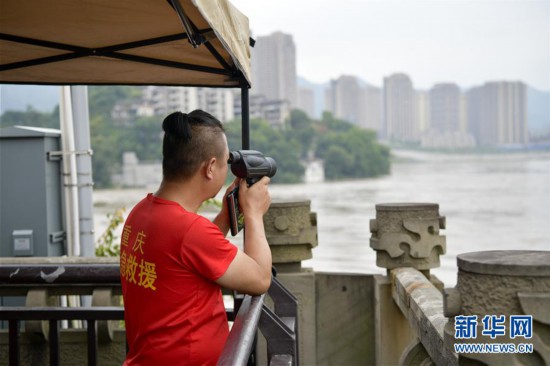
[[245, 116]]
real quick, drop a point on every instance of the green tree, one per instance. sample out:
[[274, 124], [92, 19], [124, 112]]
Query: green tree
[[31, 117], [105, 142], [333, 124], [367, 157], [102, 98], [338, 163], [108, 245], [110, 139], [301, 130]]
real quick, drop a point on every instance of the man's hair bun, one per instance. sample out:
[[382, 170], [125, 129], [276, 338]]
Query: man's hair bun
[[177, 125]]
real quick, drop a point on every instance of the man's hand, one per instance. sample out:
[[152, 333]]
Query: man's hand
[[254, 200]]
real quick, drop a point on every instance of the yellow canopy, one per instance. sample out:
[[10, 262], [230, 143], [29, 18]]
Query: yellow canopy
[[124, 42]]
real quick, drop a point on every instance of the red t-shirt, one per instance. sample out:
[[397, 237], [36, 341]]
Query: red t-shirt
[[169, 260]]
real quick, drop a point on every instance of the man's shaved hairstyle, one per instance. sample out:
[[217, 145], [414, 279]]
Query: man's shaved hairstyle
[[190, 140]]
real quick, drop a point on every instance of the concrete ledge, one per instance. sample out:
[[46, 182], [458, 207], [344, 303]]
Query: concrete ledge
[[422, 304]]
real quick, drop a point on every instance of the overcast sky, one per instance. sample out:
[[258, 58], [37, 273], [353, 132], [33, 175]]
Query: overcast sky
[[463, 41]]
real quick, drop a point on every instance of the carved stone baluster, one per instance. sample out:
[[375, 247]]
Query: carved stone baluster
[[407, 235]]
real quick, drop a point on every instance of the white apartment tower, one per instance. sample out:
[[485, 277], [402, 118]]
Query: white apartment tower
[[497, 113], [446, 118], [399, 108], [371, 108], [422, 109], [347, 99], [306, 101], [445, 107], [274, 68], [343, 99], [165, 100]]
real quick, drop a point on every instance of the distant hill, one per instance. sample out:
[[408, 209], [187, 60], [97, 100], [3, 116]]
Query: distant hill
[[538, 110], [42, 98]]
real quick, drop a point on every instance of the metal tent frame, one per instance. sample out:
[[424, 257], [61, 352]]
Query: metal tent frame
[[232, 73]]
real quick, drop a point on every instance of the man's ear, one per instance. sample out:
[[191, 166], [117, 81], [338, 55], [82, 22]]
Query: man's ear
[[210, 166]]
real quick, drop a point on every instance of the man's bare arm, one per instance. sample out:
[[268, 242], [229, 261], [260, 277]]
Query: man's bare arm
[[250, 271]]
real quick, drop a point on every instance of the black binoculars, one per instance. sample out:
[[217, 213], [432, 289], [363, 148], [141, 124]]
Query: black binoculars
[[250, 165]]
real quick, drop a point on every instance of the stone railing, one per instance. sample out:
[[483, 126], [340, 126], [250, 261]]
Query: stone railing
[[403, 317], [501, 304], [422, 305], [409, 320]]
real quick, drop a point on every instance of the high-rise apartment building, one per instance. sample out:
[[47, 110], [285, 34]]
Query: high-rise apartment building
[[370, 108], [219, 102], [422, 110], [343, 99], [446, 119], [274, 68], [445, 107], [463, 113], [276, 112], [497, 113], [306, 101], [475, 110], [346, 98], [399, 108], [165, 100]]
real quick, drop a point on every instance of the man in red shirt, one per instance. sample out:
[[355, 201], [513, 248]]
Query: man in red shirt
[[173, 262]]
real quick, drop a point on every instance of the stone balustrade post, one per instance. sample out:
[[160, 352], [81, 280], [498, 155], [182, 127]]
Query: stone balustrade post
[[403, 235], [503, 283], [407, 235], [291, 231]]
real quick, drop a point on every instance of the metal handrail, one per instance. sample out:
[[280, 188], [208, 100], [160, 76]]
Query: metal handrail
[[279, 327], [61, 273], [241, 338], [79, 277], [91, 314]]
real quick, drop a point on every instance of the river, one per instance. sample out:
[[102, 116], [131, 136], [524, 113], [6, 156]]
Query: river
[[490, 201]]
